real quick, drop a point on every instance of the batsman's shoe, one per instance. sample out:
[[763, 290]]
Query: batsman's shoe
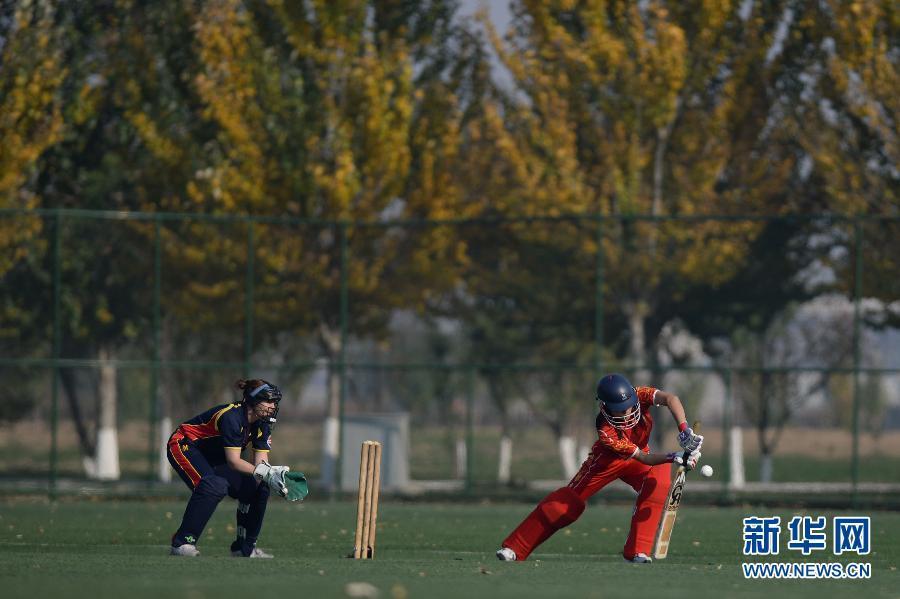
[[186, 550], [257, 552], [505, 554], [640, 558]]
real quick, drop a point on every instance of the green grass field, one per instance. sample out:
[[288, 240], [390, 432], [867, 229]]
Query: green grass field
[[116, 549]]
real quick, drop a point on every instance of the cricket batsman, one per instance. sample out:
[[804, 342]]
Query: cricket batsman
[[621, 452]]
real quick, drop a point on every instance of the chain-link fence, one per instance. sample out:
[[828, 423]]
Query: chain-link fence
[[482, 340]]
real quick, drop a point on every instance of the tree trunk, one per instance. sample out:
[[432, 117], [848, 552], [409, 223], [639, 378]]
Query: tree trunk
[[504, 464], [331, 437], [165, 430], [736, 458], [765, 452], [455, 442], [331, 441], [765, 468], [462, 458], [567, 455], [498, 395], [105, 464], [583, 452], [636, 312], [70, 386]]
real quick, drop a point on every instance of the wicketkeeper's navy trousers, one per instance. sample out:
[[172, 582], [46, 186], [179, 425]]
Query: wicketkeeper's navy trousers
[[209, 485]]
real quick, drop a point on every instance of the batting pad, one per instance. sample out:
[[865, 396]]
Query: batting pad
[[297, 488]]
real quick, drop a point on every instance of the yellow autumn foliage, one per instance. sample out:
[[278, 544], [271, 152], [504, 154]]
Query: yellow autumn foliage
[[30, 119]]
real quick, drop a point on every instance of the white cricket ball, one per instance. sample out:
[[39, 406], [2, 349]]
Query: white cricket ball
[[706, 470]]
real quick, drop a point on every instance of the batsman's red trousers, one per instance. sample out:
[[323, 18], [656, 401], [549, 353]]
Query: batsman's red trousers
[[563, 506]]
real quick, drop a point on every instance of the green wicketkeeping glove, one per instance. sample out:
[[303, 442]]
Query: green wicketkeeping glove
[[296, 485]]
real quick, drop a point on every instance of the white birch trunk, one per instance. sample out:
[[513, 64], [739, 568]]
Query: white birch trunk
[[107, 458], [462, 462], [331, 435], [504, 466], [165, 430], [636, 313], [736, 460], [567, 455], [330, 443]]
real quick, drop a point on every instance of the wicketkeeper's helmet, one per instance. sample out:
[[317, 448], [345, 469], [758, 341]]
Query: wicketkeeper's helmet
[[265, 392], [617, 396]]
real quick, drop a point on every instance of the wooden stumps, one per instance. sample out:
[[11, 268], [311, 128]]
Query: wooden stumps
[[367, 501]]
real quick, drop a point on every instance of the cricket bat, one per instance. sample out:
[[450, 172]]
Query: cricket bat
[[670, 511]]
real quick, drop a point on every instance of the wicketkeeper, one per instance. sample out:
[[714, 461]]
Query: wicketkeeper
[[206, 450], [621, 452]]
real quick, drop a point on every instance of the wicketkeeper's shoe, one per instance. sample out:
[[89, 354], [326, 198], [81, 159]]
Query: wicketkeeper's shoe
[[257, 552], [186, 550], [505, 554], [640, 558]]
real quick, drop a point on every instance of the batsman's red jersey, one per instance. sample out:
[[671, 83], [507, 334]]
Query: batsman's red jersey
[[610, 454]]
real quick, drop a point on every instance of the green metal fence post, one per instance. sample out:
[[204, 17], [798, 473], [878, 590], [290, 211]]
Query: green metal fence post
[[155, 411], [857, 298], [470, 429], [57, 351], [598, 302], [248, 300], [342, 357], [727, 407]]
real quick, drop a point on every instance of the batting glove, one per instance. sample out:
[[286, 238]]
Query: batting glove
[[689, 461], [690, 440], [272, 476]]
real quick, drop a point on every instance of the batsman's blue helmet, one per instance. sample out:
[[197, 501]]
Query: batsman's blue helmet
[[618, 401]]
